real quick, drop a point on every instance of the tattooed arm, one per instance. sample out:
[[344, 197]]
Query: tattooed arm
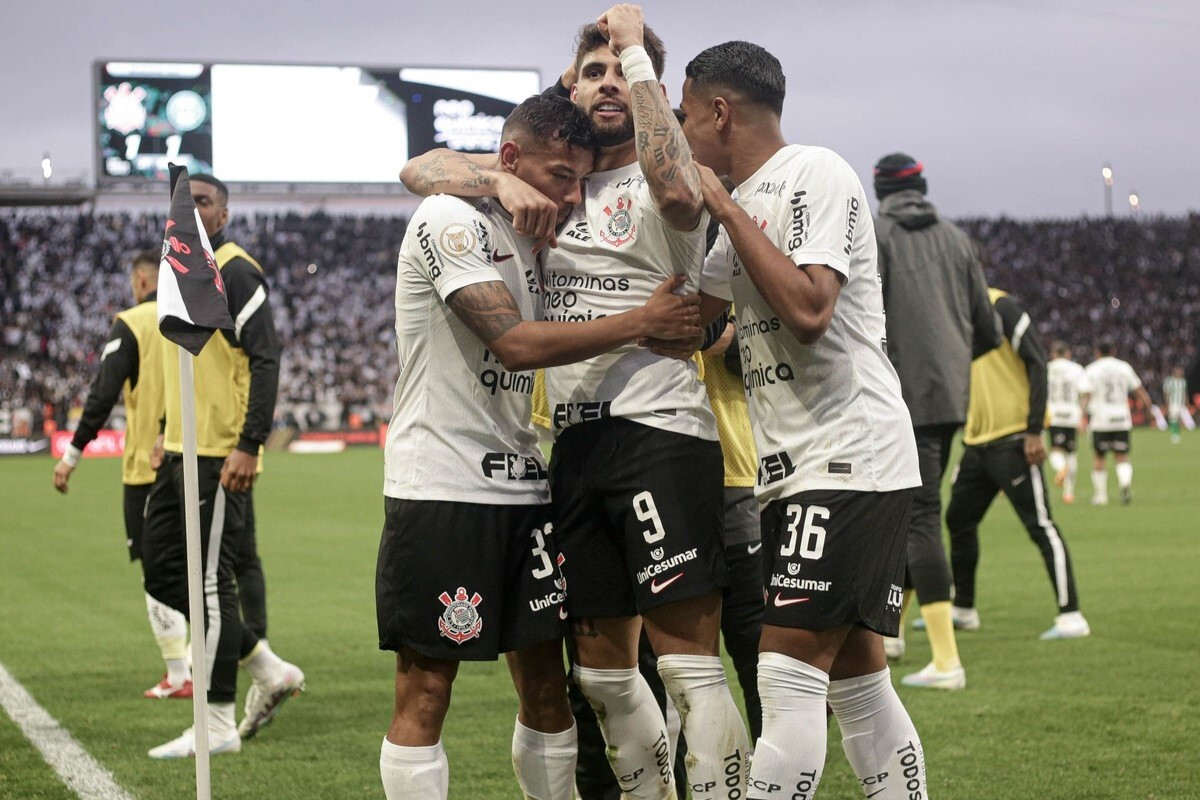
[[447, 171], [491, 313], [662, 151]]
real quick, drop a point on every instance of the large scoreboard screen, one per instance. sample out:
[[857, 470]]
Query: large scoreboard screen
[[293, 123]]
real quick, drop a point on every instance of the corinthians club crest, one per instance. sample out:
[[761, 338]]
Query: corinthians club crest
[[460, 621], [619, 228]]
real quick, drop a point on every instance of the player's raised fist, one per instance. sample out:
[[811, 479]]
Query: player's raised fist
[[622, 25]]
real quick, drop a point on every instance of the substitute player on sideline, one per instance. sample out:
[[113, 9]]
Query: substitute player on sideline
[[1003, 452], [463, 459], [1063, 376], [131, 362], [1107, 384], [837, 456], [637, 467], [237, 378]]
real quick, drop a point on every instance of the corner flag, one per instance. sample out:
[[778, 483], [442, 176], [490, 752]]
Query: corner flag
[[191, 305], [191, 295]]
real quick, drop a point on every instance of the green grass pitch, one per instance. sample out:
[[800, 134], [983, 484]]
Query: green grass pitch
[[1112, 716]]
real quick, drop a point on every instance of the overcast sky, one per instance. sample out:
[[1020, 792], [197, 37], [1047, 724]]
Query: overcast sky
[[1012, 105]]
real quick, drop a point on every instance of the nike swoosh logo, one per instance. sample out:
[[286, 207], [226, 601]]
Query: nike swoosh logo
[[562, 613], [657, 587], [754, 548], [780, 602], [496, 259]]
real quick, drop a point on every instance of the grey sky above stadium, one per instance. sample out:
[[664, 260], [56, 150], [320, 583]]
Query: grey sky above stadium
[[1013, 105]]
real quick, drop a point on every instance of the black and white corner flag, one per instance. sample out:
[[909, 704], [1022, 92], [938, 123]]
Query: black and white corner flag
[[191, 295]]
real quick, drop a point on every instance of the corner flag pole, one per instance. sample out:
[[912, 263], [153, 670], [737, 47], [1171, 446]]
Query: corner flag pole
[[192, 305], [195, 574]]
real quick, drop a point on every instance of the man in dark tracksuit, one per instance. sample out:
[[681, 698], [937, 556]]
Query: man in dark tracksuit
[[236, 380], [938, 319], [1003, 453]]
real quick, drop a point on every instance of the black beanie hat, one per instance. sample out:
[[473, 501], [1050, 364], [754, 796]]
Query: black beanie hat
[[897, 172]]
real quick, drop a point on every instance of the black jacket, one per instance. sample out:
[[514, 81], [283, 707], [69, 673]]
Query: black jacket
[[938, 314]]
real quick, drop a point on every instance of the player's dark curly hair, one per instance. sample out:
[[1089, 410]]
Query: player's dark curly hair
[[742, 67], [590, 38], [550, 118]]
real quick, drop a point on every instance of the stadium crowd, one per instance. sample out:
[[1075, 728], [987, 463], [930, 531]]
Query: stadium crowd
[[63, 277]]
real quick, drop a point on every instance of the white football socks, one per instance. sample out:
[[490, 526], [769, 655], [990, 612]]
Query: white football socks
[[545, 762], [1057, 459], [1124, 474], [221, 725], [414, 773], [633, 729], [879, 738], [170, 631], [1069, 481], [712, 727], [790, 753], [1099, 486], [262, 663]]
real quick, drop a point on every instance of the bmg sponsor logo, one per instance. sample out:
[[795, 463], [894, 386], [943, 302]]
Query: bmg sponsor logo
[[433, 259], [851, 223], [800, 220]]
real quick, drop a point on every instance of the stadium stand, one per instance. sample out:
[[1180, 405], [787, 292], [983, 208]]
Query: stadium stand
[[62, 277]]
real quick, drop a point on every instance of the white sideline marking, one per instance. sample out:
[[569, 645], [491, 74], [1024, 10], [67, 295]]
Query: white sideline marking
[[75, 767]]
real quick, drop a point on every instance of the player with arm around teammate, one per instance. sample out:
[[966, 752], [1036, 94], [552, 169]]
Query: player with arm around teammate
[[837, 457], [637, 467], [462, 460]]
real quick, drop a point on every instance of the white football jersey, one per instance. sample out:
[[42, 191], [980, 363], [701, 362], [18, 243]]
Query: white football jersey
[[460, 430], [827, 415], [1063, 377], [612, 254], [1109, 381]]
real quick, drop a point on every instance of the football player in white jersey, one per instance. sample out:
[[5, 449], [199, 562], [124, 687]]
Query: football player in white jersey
[[637, 470], [837, 455], [1063, 376], [467, 565], [1108, 382]]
